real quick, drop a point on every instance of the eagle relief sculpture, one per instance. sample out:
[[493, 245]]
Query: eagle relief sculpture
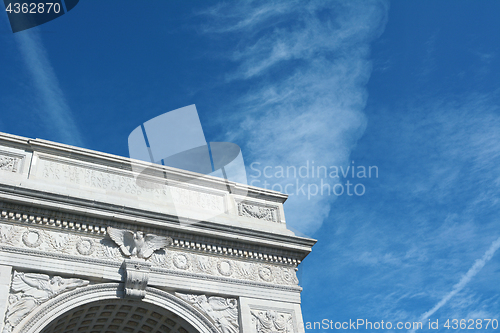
[[137, 244]]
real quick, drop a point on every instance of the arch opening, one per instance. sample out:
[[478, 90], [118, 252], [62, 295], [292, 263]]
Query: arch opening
[[118, 316]]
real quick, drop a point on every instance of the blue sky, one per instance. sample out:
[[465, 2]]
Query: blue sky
[[411, 88]]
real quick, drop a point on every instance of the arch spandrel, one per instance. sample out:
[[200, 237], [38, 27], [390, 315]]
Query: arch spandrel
[[102, 308]]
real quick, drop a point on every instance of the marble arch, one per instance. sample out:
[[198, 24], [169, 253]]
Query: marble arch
[[76, 228]]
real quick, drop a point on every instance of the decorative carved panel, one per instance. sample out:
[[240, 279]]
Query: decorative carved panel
[[272, 321], [222, 311], [258, 212], [9, 163]]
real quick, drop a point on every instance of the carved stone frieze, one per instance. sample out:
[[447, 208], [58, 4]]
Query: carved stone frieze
[[10, 234], [272, 321], [107, 249], [8, 163], [246, 270], [222, 311], [50, 241], [258, 212], [62, 242], [162, 258], [29, 290], [226, 267], [172, 258]]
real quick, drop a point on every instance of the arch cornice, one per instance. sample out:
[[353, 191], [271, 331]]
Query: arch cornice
[[43, 315]]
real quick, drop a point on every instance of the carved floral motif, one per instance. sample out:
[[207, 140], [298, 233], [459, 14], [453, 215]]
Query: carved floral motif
[[62, 242], [107, 249], [246, 270], [162, 258], [10, 234], [265, 273], [287, 275], [204, 264]]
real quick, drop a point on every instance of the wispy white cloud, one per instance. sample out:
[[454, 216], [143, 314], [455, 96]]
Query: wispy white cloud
[[245, 15], [304, 66], [397, 255], [51, 104], [434, 214]]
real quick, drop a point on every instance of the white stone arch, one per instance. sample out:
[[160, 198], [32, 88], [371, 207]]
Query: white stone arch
[[43, 315]]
